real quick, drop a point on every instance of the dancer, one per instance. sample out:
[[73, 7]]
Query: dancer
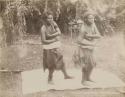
[[52, 56], [86, 42]]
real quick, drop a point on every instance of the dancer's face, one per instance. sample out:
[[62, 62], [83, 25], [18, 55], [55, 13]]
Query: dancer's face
[[90, 19], [50, 19]]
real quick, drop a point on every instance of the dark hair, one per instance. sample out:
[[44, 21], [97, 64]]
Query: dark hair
[[85, 16], [45, 16]]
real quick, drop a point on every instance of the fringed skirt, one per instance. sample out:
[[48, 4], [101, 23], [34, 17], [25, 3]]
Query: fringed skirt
[[52, 59], [84, 57]]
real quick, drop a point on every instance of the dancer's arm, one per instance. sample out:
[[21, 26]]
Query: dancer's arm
[[81, 38], [43, 36], [96, 35], [57, 30]]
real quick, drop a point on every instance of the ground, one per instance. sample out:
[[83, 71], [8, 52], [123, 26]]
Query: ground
[[110, 56]]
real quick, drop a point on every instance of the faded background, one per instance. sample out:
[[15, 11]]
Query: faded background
[[21, 49]]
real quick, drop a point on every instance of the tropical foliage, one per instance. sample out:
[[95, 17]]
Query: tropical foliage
[[25, 16]]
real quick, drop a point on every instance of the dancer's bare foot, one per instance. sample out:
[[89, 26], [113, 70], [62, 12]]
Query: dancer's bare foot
[[68, 77], [85, 83], [51, 82], [90, 80]]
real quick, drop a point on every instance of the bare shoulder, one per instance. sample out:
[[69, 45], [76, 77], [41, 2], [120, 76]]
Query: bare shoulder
[[55, 24], [43, 28]]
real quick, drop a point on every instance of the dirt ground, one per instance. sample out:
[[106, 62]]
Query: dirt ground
[[110, 56]]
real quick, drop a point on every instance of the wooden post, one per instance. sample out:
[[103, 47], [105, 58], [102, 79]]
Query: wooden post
[[10, 72], [46, 6], [10, 83], [70, 29]]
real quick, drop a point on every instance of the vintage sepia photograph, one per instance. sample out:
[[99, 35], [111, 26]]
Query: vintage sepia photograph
[[62, 48]]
